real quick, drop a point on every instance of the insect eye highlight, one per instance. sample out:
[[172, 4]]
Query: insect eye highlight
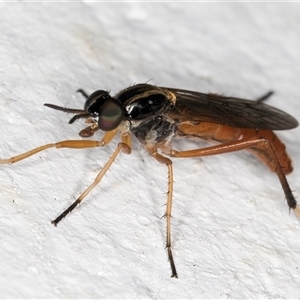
[[110, 115], [95, 101]]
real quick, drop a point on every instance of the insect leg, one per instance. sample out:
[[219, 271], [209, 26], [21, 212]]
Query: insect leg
[[88, 131], [83, 93], [264, 97], [63, 144], [164, 160], [122, 146], [246, 144]]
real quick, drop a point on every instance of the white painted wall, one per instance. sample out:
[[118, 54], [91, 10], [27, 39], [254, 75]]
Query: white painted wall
[[233, 236]]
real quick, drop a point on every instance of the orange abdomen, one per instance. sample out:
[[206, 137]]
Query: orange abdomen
[[225, 134]]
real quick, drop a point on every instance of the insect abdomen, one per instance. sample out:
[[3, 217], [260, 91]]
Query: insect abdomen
[[280, 151]]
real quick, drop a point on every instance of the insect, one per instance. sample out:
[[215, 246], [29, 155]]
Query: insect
[[155, 115]]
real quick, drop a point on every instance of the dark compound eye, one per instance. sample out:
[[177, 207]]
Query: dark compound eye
[[108, 110], [95, 101], [110, 115]]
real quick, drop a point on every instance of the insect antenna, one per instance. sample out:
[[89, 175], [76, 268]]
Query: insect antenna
[[65, 109], [80, 112], [79, 116]]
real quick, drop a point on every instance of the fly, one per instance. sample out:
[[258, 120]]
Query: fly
[[156, 115]]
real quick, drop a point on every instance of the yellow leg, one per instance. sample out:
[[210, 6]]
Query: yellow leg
[[246, 144], [63, 144], [164, 160], [122, 146]]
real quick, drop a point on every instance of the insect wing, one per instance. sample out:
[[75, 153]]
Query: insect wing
[[236, 112]]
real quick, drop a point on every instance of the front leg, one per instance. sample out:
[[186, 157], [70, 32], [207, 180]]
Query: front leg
[[78, 144], [122, 146]]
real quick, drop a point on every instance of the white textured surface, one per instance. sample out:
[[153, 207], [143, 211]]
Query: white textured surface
[[232, 234]]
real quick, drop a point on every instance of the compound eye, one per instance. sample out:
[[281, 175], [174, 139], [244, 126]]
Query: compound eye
[[110, 115], [95, 100]]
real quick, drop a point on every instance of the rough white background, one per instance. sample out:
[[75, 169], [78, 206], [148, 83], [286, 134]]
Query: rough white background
[[233, 236]]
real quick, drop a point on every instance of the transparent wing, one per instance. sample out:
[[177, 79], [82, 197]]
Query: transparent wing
[[236, 112]]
